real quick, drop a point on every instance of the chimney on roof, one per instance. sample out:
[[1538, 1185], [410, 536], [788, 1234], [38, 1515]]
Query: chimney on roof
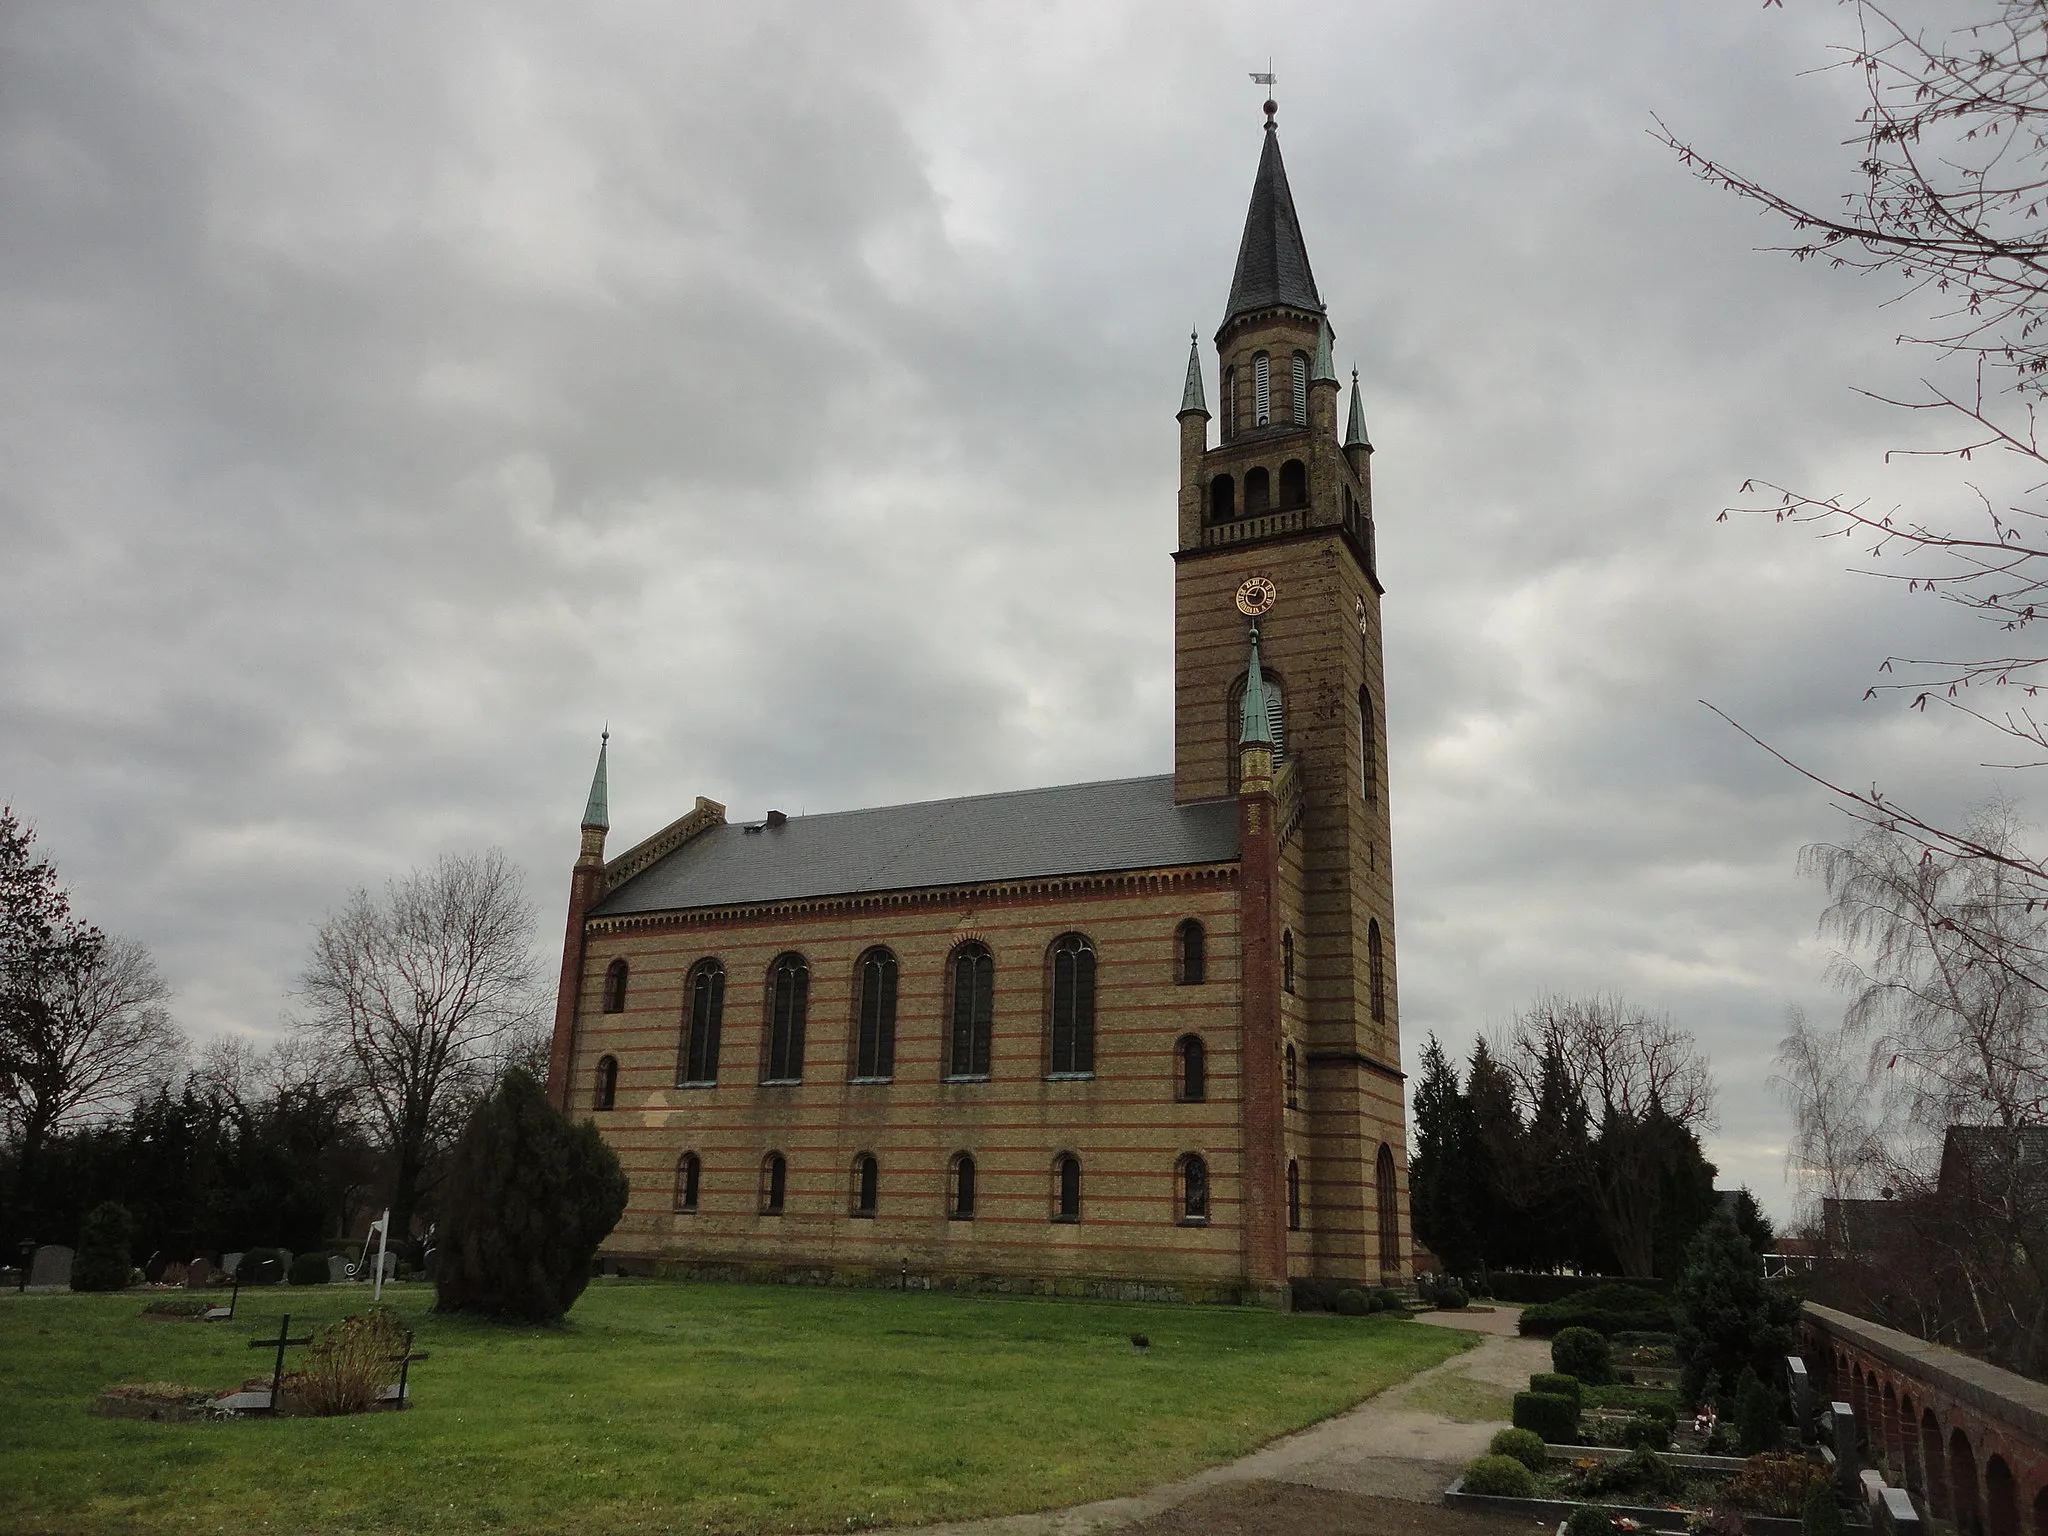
[[776, 818]]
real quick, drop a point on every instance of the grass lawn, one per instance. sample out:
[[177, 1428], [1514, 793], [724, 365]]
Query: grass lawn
[[674, 1407]]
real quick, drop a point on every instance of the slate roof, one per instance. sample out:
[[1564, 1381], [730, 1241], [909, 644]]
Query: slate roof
[[1272, 260], [1075, 829], [1987, 1160]]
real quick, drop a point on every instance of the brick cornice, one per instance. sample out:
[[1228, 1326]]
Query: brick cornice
[[1357, 1059]]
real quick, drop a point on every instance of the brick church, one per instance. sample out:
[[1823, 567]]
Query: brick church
[[1134, 1038]]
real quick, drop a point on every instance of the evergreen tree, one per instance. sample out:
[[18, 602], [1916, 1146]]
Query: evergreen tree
[[1729, 1318], [103, 1261], [529, 1197], [1438, 1171], [1496, 1145]]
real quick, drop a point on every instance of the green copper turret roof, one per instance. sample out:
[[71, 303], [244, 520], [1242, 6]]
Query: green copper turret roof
[[597, 812], [1191, 397], [1326, 368], [1257, 729], [1272, 260], [1354, 434]]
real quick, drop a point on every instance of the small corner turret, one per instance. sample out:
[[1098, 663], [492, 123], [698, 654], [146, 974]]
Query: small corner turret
[[597, 819]]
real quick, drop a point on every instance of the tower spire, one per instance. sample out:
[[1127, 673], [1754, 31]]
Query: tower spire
[[1354, 431], [1326, 367], [1191, 396], [1272, 259], [597, 810], [1256, 729]]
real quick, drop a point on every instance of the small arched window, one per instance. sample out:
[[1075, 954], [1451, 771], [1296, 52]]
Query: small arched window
[[1293, 1195], [1229, 403], [960, 1187], [1191, 1070], [1192, 1181], [1190, 954], [1222, 499], [867, 1179], [705, 996], [971, 1002], [1072, 1052], [1368, 749], [774, 1183], [1300, 382], [607, 1093], [615, 987], [1258, 491], [1389, 1213], [789, 1006], [1293, 484], [1286, 959], [1262, 390], [874, 1052], [689, 1178], [1291, 1076], [1376, 963], [1066, 1187]]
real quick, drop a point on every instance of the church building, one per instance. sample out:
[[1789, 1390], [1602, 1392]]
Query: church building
[[1136, 1038]]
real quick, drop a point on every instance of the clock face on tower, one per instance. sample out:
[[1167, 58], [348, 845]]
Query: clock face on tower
[[1256, 596]]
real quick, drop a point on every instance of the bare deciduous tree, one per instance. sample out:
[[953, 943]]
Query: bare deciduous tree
[[1835, 1153], [423, 989]]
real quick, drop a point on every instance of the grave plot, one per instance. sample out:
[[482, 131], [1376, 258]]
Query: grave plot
[[360, 1364]]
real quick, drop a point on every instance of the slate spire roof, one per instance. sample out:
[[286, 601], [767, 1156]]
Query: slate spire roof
[[1257, 728], [1354, 433], [1272, 261], [1191, 396], [597, 810]]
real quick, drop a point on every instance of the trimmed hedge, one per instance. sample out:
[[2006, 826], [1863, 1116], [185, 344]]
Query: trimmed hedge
[[1583, 1352], [1352, 1302], [1611, 1308], [310, 1269], [1522, 1445], [1547, 1415], [1502, 1477], [1538, 1290]]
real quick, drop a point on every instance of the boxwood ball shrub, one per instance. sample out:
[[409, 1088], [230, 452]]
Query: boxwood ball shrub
[[1352, 1302], [1547, 1415], [1590, 1520], [1522, 1446], [1452, 1297], [309, 1269], [1561, 1385], [1501, 1477], [101, 1263], [1583, 1353]]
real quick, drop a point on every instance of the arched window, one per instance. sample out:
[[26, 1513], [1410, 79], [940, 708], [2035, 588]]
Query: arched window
[[1276, 723], [1066, 1187], [689, 1176], [706, 1000], [1073, 1007], [1293, 1195], [789, 1006], [1390, 1213], [1286, 959], [1291, 1076], [607, 1093], [867, 1178], [1191, 1070], [1262, 390], [1222, 499], [1376, 963], [1229, 403], [615, 987], [960, 1187], [1190, 954], [1191, 1190], [1258, 491], [774, 1183], [972, 1003], [874, 1052], [1300, 382], [1293, 484], [1368, 749]]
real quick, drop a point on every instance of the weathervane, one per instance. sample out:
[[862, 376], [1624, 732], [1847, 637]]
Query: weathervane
[[1271, 82]]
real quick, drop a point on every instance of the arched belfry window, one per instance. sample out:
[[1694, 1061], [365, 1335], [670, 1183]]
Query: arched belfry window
[[1300, 382], [867, 1179], [1190, 1070], [1066, 1187], [1229, 403], [1262, 390], [1222, 499], [615, 987], [1376, 963], [607, 1094], [1368, 749], [1389, 1212], [970, 1002], [1191, 1179], [960, 1188], [1190, 954], [1293, 484], [689, 1181], [874, 1050], [1293, 1195], [1291, 1076], [1276, 723], [1072, 1045], [1258, 491], [1286, 959], [789, 1002], [704, 1000]]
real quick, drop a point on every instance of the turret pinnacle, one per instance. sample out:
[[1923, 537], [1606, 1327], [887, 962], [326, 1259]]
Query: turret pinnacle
[[1272, 260], [1191, 396], [1326, 368], [1354, 432], [1257, 729], [597, 812]]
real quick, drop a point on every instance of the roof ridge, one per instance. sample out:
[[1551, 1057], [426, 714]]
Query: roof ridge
[[993, 794]]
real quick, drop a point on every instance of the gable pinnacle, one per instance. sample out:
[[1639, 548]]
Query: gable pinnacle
[[1354, 431], [597, 810], [1256, 730], [1191, 397]]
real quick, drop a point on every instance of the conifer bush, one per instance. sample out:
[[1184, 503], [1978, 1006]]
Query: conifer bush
[[528, 1199], [1820, 1515], [1756, 1415], [102, 1262]]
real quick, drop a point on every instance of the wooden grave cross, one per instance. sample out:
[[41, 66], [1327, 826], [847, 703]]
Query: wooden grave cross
[[280, 1344]]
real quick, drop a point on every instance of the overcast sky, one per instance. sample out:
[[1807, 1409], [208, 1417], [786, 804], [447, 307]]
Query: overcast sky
[[390, 396]]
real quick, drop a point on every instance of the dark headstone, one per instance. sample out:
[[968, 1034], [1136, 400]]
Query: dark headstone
[[200, 1274], [172, 1273], [1799, 1387], [51, 1266], [1847, 1467], [337, 1269], [1898, 1515], [230, 1262], [430, 1266]]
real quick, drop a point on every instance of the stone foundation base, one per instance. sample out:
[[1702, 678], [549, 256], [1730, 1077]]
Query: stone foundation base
[[1088, 1287]]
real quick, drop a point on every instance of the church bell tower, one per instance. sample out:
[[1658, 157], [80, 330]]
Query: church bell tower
[[1282, 497]]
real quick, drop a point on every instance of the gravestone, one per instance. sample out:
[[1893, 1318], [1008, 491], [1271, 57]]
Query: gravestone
[[199, 1275], [1847, 1469], [173, 1274], [230, 1262], [51, 1266], [337, 1269], [390, 1266], [1799, 1385], [1899, 1515], [1873, 1491]]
